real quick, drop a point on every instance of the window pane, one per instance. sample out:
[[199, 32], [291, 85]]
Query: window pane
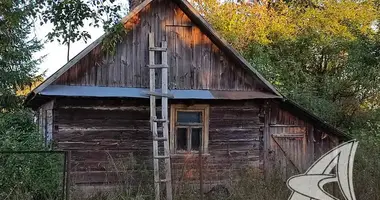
[[181, 139], [196, 138], [189, 117]]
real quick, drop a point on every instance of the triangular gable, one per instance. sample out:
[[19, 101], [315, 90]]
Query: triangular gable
[[194, 17]]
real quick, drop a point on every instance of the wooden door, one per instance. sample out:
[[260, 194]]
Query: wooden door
[[288, 149]]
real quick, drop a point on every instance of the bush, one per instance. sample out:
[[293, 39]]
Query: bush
[[27, 175]]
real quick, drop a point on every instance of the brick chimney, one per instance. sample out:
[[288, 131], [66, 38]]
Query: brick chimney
[[134, 3]]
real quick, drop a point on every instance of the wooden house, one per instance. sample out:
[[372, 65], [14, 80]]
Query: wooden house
[[99, 105]]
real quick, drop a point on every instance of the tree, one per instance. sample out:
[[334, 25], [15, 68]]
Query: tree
[[18, 68], [322, 54], [69, 18]]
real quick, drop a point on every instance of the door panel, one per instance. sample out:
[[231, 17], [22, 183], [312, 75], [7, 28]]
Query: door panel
[[288, 149]]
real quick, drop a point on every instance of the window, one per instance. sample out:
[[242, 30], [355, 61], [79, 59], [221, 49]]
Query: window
[[189, 129]]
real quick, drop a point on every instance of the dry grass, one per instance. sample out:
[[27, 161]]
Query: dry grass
[[249, 184], [136, 183]]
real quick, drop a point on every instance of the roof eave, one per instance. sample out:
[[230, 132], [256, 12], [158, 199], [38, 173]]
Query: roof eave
[[317, 120]]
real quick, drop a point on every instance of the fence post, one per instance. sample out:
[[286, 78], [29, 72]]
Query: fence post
[[64, 176], [68, 177], [200, 174]]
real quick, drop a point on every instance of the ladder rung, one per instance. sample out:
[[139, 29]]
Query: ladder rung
[[157, 49], [158, 66], [160, 139], [161, 157], [160, 120], [158, 94]]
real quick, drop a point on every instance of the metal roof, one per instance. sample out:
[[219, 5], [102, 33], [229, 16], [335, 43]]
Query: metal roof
[[119, 92]]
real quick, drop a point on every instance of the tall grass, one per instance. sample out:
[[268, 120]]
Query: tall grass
[[34, 179]]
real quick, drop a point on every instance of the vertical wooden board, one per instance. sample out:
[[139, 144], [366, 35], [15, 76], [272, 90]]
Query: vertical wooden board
[[83, 75], [224, 72], [193, 66], [215, 67], [180, 47], [239, 79], [157, 29], [98, 74], [117, 71], [176, 74], [92, 76], [104, 71], [197, 53], [123, 62], [186, 56], [206, 61], [178, 13], [246, 81], [160, 22], [130, 58], [134, 56], [171, 56], [144, 72], [138, 50], [111, 67], [165, 17], [72, 75]]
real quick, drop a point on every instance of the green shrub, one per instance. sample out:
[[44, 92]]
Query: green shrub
[[27, 175]]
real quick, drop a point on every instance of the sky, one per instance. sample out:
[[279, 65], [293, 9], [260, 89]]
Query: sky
[[56, 54]]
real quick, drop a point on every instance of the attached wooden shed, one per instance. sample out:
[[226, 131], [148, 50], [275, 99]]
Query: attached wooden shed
[[97, 106]]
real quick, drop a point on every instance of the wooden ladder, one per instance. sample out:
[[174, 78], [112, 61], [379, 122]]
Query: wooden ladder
[[163, 121]]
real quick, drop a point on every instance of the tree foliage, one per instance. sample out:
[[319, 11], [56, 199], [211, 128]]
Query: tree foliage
[[18, 68], [324, 54], [69, 18]]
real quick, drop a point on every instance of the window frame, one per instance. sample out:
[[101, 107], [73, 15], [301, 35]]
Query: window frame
[[204, 125]]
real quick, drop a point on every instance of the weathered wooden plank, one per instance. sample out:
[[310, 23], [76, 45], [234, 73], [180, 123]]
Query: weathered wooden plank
[[206, 61], [77, 114], [196, 62], [105, 145], [187, 54], [78, 135], [197, 57]]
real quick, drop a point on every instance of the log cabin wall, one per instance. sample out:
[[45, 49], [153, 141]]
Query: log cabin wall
[[195, 62], [107, 136], [235, 144], [294, 143]]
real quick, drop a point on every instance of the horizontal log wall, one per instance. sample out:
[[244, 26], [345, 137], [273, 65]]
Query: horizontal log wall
[[111, 142], [234, 145], [195, 62]]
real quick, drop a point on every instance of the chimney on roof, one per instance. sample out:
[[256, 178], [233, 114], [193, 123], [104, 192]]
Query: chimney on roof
[[134, 3]]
